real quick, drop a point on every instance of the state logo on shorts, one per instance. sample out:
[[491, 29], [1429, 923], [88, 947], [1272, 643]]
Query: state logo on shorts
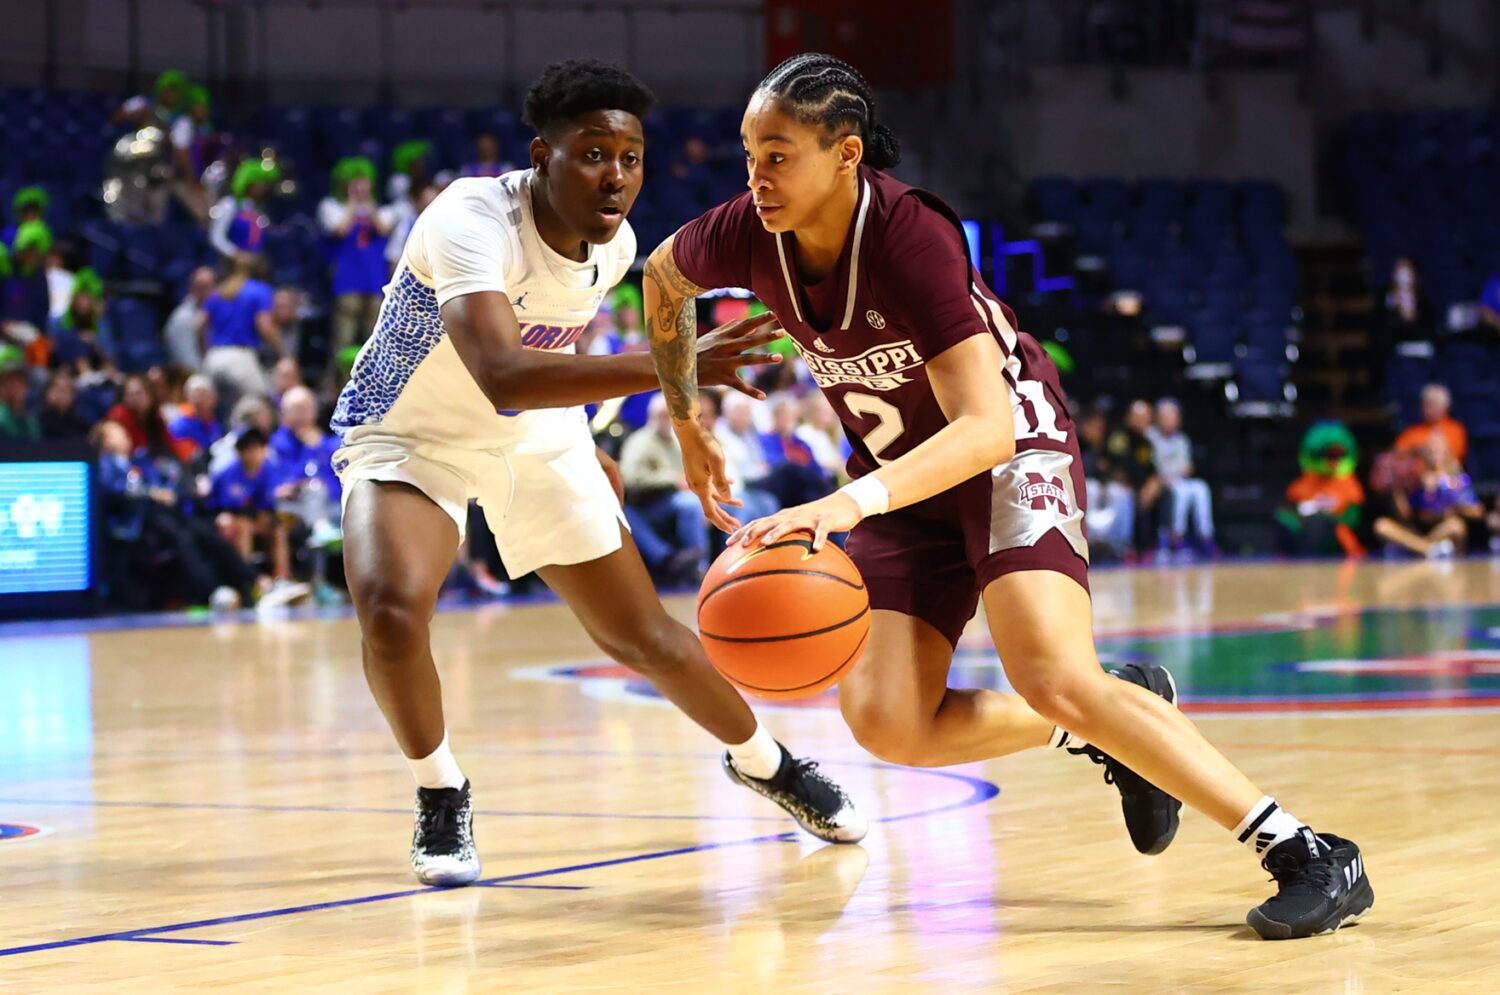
[[1041, 491]]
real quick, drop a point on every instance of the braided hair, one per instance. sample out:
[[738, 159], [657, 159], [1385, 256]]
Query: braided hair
[[822, 91]]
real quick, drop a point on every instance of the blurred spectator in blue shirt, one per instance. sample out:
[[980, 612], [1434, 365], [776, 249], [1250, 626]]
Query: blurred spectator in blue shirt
[[358, 228], [197, 427], [487, 161]]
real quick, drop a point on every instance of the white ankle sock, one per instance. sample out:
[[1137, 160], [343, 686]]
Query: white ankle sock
[[1266, 825], [759, 756], [1064, 740], [438, 769]]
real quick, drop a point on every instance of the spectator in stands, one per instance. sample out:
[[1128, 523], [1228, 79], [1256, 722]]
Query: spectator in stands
[[1489, 302], [146, 522], [253, 411], [17, 421], [239, 222], [236, 322], [243, 495], [1132, 455], [285, 376], [27, 298], [197, 428], [1191, 499], [60, 281], [824, 434], [192, 149], [304, 453], [138, 414], [1407, 315], [60, 417], [411, 174], [182, 329], [168, 99], [487, 160], [29, 204], [1431, 503], [1436, 423], [665, 517], [82, 339], [359, 228], [1323, 506], [738, 464], [1111, 507], [796, 478], [286, 319]]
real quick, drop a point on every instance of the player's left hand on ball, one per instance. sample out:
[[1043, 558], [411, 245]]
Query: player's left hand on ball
[[835, 513], [612, 471]]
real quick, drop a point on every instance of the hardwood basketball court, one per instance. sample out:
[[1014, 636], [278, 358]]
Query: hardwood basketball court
[[220, 806]]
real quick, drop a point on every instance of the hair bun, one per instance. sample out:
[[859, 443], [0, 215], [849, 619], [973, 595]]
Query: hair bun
[[882, 149]]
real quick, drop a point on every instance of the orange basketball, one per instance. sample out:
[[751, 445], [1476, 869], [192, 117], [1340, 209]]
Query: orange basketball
[[782, 621]]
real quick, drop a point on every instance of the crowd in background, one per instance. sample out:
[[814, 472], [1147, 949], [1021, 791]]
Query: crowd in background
[[214, 456]]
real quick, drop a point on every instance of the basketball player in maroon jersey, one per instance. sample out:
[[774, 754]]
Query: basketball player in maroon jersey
[[968, 483]]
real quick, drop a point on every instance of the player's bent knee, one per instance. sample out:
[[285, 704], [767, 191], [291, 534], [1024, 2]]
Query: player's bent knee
[[395, 626], [651, 649], [1064, 699], [886, 731]]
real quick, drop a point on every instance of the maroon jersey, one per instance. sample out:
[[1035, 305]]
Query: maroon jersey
[[903, 292]]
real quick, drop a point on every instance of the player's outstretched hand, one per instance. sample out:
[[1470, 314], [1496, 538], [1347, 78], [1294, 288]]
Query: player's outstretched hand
[[724, 350], [835, 513], [703, 466]]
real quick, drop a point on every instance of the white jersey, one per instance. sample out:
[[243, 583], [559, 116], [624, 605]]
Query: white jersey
[[479, 234]]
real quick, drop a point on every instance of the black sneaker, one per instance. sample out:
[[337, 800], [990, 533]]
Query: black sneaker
[[442, 844], [1151, 815], [818, 805], [1322, 886]]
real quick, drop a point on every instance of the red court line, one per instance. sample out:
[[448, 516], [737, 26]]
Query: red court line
[[1314, 705], [1421, 751]]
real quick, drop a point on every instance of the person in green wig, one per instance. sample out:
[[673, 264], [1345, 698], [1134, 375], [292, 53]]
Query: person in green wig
[[29, 204], [1323, 506], [82, 337], [27, 298], [239, 220], [411, 175], [357, 228], [169, 97]]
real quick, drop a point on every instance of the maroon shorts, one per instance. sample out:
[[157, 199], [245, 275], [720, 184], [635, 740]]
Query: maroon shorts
[[932, 559]]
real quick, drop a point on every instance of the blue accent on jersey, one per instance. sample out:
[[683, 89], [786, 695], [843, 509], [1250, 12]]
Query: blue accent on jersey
[[410, 327]]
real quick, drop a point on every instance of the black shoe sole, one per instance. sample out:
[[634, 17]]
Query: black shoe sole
[[1360, 900]]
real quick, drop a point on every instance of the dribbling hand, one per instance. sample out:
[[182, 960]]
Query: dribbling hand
[[835, 513]]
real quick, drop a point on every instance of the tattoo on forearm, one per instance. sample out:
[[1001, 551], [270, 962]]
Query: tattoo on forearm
[[673, 330]]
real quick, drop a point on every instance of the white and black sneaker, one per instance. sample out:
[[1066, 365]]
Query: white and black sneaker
[[809, 796], [1321, 885], [442, 844]]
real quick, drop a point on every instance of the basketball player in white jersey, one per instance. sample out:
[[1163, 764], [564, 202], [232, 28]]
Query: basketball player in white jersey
[[469, 388]]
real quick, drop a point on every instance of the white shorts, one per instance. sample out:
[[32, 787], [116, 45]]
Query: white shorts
[[546, 503]]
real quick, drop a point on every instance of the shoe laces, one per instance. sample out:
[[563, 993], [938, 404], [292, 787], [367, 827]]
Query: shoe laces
[[442, 823], [807, 782], [1318, 873], [1114, 772]]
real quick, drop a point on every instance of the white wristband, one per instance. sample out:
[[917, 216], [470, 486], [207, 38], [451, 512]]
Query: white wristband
[[873, 497]]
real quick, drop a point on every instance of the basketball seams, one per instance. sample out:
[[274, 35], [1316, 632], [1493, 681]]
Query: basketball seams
[[780, 570], [854, 655], [795, 635]]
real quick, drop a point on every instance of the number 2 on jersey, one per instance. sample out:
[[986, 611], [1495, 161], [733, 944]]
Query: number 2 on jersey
[[886, 431], [890, 424]]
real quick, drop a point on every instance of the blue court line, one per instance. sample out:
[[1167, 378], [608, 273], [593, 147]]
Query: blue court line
[[533, 887], [174, 939], [138, 934], [981, 791], [230, 807]]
